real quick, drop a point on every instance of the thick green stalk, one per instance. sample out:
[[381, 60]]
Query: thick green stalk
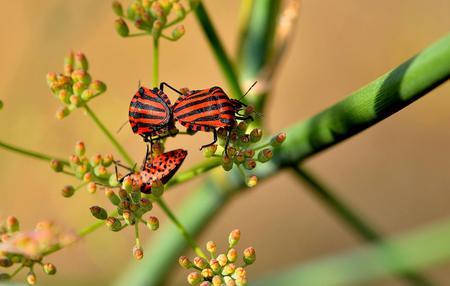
[[348, 216], [361, 110], [108, 134], [218, 49], [155, 81], [31, 153], [418, 249]]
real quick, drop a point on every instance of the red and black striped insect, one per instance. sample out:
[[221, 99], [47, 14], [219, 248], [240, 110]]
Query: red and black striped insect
[[150, 113], [207, 110], [161, 167]]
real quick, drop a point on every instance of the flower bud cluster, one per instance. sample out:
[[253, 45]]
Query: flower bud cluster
[[222, 268], [152, 17], [74, 87], [28, 248], [244, 148], [92, 171]]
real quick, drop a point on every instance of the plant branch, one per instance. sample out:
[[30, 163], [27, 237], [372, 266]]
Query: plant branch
[[193, 172], [155, 81], [30, 153], [353, 220], [108, 134]]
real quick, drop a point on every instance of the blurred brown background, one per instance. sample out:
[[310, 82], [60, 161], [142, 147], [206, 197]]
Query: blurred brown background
[[396, 174]]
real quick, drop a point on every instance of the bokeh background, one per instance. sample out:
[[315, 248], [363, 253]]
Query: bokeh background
[[395, 174]]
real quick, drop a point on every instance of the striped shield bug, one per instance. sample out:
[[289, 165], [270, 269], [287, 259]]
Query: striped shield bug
[[161, 167], [207, 110]]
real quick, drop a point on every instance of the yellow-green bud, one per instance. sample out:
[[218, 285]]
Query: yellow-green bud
[[255, 135], [242, 127], [240, 272], [117, 8], [113, 224], [127, 184], [229, 281], [95, 160], [122, 27], [99, 212], [87, 177], [239, 157], [75, 100], [215, 266], [194, 278], [234, 237], [157, 27], [64, 96], [81, 75], [107, 160], [97, 86], [49, 269], [62, 112], [207, 273], [157, 11], [113, 198], [87, 94], [210, 151], [205, 283], [228, 269], [179, 10], [56, 165], [138, 253], [91, 188], [249, 164], [78, 88], [128, 217], [145, 204], [251, 181], [31, 278], [249, 255], [178, 32], [5, 262], [101, 172], [157, 188], [249, 110], [241, 280], [232, 255], [217, 281], [80, 148], [227, 163], [265, 155], [249, 153], [81, 61], [153, 223], [112, 181], [124, 205], [123, 194], [222, 259], [211, 247], [51, 78], [200, 262], [185, 262], [68, 191], [278, 139]]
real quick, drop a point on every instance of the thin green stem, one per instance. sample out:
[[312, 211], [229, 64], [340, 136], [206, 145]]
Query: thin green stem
[[193, 172], [80, 186], [108, 134], [137, 34], [218, 49], [353, 220], [17, 271], [155, 62], [178, 20], [136, 234], [67, 173], [30, 153], [189, 239]]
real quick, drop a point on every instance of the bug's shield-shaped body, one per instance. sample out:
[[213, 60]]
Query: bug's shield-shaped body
[[161, 167], [149, 113], [204, 110]]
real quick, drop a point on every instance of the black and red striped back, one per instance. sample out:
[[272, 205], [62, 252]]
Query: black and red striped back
[[203, 110], [149, 113]]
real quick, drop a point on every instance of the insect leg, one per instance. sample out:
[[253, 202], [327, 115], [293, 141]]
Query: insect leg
[[161, 87], [214, 140]]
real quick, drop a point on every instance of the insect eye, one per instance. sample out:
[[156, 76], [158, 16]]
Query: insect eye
[[141, 90]]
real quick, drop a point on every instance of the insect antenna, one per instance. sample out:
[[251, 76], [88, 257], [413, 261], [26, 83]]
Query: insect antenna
[[121, 126], [248, 90]]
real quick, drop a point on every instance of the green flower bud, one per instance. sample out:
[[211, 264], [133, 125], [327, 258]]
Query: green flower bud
[[87, 95], [228, 269], [215, 266], [1, 105], [75, 100], [124, 205], [61, 82], [205, 283], [12, 224], [81, 75], [242, 127], [51, 78], [278, 139], [113, 224], [234, 237], [146, 204], [64, 96], [249, 255], [166, 5], [138, 253], [179, 10], [91, 188], [87, 177], [101, 172], [255, 135], [95, 160], [68, 63], [117, 8], [157, 11], [207, 273], [112, 197], [68, 191], [227, 163], [49, 269], [211, 247], [222, 133], [112, 181], [210, 151], [78, 88], [157, 28], [229, 281], [123, 194], [200, 262], [80, 148], [74, 161], [141, 25], [4, 276], [62, 112], [152, 223], [127, 184], [239, 157], [240, 272], [222, 259], [178, 32], [251, 181], [194, 278], [249, 164], [56, 165], [231, 151], [241, 280], [217, 281], [244, 140], [107, 160], [249, 110], [232, 255], [5, 262], [81, 62], [185, 262], [128, 217], [265, 155], [249, 153], [121, 27], [99, 212], [31, 278], [157, 188]]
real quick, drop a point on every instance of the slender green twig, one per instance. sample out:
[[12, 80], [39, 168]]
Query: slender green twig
[[30, 153], [108, 134], [137, 34], [193, 172], [155, 62], [353, 220], [17, 271], [219, 51], [189, 239], [136, 234]]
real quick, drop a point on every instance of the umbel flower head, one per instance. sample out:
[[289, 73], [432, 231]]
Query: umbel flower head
[[28, 248], [223, 268]]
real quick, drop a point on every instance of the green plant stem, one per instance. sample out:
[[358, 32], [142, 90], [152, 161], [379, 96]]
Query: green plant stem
[[155, 82], [137, 34], [189, 239], [193, 172], [219, 51], [17, 271], [386, 95], [108, 134], [30, 153], [136, 234], [353, 220]]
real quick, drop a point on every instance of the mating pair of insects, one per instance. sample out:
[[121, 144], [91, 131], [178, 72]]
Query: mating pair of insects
[[151, 116]]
